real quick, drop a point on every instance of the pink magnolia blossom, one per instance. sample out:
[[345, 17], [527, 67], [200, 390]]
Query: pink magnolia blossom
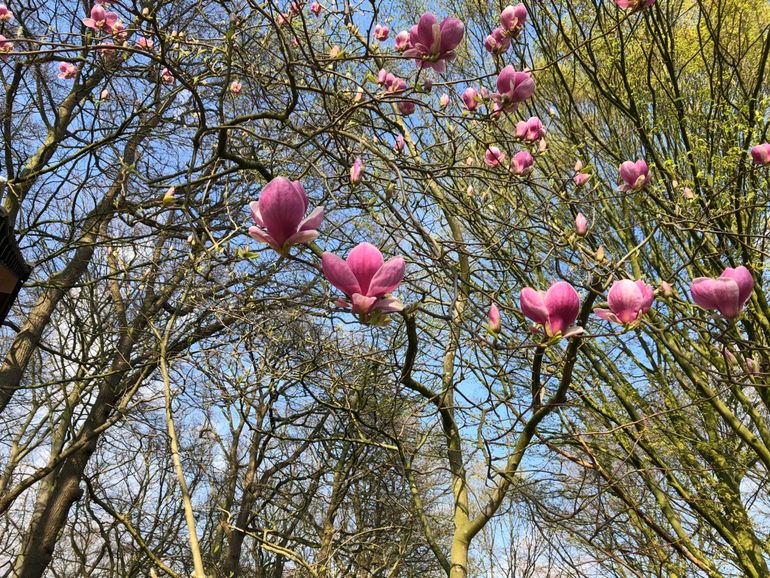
[[278, 215], [493, 319], [315, 8], [580, 177], [634, 4], [391, 82], [145, 43], [399, 143], [728, 293], [5, 14], [67, 71], [497, 42], [556, 309], [635, 175], [406, 107], [402, 41], [581, 225], [628, 301], [530, 130], [432, 44], [365, 279], [166, 77], [522, 163], [494, 156], [443, 101], [513, 87], [105, 94], [236, 87], [6, 47], [100, 19], [355, 170], [512, 19], [119, 31], [381, 32], [761, 154], [469, 98]]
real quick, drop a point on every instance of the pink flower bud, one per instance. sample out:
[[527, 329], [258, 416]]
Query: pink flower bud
[[761, 154], [236, 87], [494, 156], [469, 98], [406, 107], [628, 301], [399, 143], [166, 77], [381, 32], [443, 100], [105, 94], [402, 41], [581, 225], [315, 8], [635, 175], [522, 163], [493, 319], [355, 170], [555, 310], [5, 14]]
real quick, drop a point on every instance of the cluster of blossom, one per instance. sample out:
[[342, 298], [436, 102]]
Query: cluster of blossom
[[512, 20]]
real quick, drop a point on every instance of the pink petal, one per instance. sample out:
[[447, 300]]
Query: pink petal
[[313, 220], [302, 237], [648, 295], [282, 206], [426, 28], [722, 294], [259, 235], [743, 278], [452, 31], [625, 300], [339, 274], [387, 278], [389, 305], [255, 215], [563, 305], [607, 315], [364, 261], [362, 304], [533, 305]]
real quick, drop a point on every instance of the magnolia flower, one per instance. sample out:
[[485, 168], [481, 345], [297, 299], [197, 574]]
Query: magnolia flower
[[381, 32], [580, 177], [105, 94], [402, 41], [628, 301], [494, 156], [280, 211], [168, 197], [67, 71], [512, 19], [145, 43], [365, 279], [432, 44], [635, 175], [443, 101], [5, 14], [390, 81], [406, 107], [556, 309], [493, 319], [761, 154], [728, 293], [469, 98], [166, 77], [522, 163], [100, 18], [513, 87], [581, 225], [236, 87], [399, 143], [530, 130], [634, 4], [355, 170], [315, 8], [497, 42], [6, 47]]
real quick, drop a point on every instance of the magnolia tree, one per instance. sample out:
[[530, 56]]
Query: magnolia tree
[[387, 290]]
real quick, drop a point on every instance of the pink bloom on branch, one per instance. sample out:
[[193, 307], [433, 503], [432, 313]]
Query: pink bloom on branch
[[494, 156], [399, 143], [530, 130], [469, 98], [6, 47], [100, 18], [236, 87], [761, 154], [493, 319], [628, 301], [166, 77], [728, 293], [556, 309], [381, 32], [406, 107], [512, 19], [443, 101], [581, 225], [497, 42], [315, 8], [522, 163], [280, 211], [5, 14], [402, 41], [432, 44], [355, 170], [67, 71], [634, 4], [365, 279], [145, 43], [105, 94], [513, 87], [635, 175]]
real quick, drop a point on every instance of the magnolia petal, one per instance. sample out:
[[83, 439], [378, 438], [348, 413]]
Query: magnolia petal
[[389, 305], [339, 274], [533, 305], [259, 235], [743, 278], [302, 237], [387, 278], [364, 261], [255, 214], [563, 305], [362, 304], [313, 220]]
